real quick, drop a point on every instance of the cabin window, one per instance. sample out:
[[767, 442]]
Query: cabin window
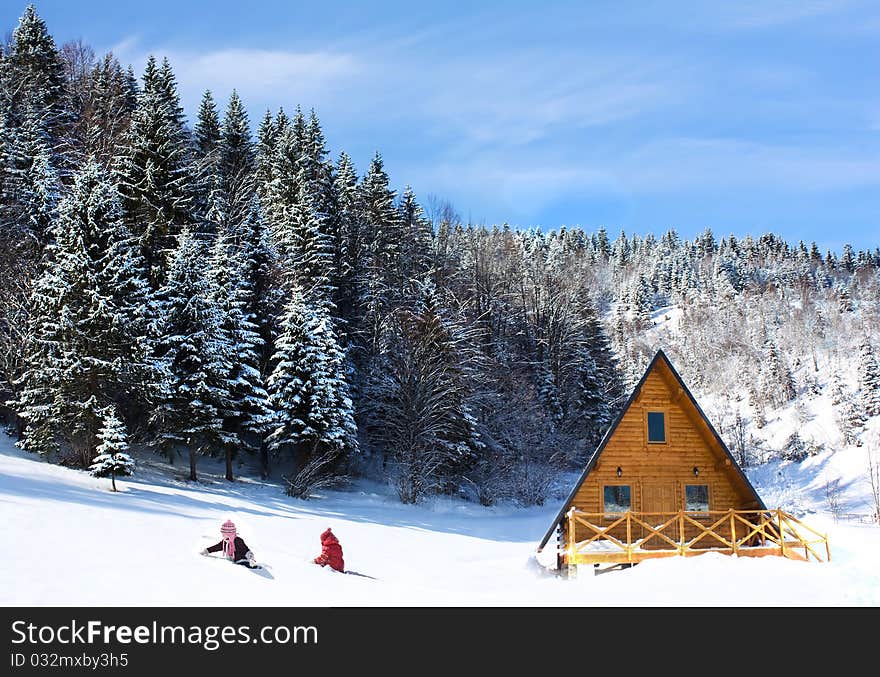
[[656, 427], [696, 497], [618, 498]]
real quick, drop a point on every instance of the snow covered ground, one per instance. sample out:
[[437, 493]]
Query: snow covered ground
[[73, 542]]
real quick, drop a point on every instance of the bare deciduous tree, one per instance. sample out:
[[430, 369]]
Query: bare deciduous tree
[[874, 473], [833, 498], [318, 472], [739, 437], [440, 210]]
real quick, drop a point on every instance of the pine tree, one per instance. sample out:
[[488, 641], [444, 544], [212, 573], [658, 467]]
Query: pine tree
[[250, 238], [132, 89], [112, 458], [89, 315], [206, 133], [620, 251], [598, 389], [315, 169], [314, 418], [37, 76], [282, 190], [267, 141], [758, 405], [237, 162], [845, 304], [106, 111], [850, 420], [869, 379], [31, 184], [380, 287], [727, 274], [155, 170], [848, 259], [121, 278], [37, 404], [706, 243], [313, 249], [415, 248], [603, 248], [794, 449], [549, 396], [298, 214], [837, 392], [642, 301], [209, 201], [195, 350], [777, 385], [349, 264], [279, 172], [246, 412], [383, 232]]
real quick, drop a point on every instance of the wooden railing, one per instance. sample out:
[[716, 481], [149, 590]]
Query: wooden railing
[[593, 538]]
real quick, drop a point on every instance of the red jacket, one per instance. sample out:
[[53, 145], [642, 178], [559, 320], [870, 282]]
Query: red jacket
[[331, 552]]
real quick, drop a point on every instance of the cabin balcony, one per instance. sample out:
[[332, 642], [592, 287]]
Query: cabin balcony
[[631, 537]]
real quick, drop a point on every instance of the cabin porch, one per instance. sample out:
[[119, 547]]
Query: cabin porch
[[631, 537]]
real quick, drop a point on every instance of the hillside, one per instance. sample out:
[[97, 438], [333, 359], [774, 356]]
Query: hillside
[[811, 417], [76, 543]]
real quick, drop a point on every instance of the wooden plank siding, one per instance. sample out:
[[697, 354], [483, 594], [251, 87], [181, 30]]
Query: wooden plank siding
[[658, 472]]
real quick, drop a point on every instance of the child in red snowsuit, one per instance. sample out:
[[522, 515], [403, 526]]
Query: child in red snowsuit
[[331, 552]]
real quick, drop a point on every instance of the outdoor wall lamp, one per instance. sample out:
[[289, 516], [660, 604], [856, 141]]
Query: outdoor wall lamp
[[696, 471], [619, 471]]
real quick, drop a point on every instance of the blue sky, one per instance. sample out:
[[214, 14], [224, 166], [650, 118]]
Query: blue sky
[[745, 117]]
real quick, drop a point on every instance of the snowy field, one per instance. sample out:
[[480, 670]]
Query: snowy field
[[73, 542]]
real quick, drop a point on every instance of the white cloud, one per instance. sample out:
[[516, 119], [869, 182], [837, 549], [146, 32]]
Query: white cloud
[[516, 99], [521, 128], [733, 164], [520, 184], [124, 48], [263, 71], [517, 185], [767, 13], [271, 75]]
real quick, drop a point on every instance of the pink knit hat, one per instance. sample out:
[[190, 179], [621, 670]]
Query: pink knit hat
[[227, 530]]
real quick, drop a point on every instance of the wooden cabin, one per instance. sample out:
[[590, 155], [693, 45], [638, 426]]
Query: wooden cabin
[[662, 482]]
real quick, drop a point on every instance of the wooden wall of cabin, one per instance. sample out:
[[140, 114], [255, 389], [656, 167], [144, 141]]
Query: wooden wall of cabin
[[658, 473]]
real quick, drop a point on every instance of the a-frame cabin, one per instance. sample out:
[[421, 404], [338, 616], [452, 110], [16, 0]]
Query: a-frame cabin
[[662, 482]]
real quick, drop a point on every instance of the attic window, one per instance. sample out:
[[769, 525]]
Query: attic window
[[656, 427]]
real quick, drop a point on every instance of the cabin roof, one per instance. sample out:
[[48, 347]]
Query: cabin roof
[[660, 355]]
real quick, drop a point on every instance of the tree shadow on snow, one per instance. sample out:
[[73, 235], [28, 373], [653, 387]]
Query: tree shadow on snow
[[528, 524], [460, 518], [135, 499]]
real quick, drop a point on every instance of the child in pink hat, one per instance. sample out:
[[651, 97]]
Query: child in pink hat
[[233, 546]]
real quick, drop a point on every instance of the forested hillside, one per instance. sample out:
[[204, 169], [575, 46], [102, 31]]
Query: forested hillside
[[211, 286]]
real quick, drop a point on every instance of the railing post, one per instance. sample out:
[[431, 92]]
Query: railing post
[[681, 532], [629, 535], [560, 548], [733, 532], [781, 533]]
